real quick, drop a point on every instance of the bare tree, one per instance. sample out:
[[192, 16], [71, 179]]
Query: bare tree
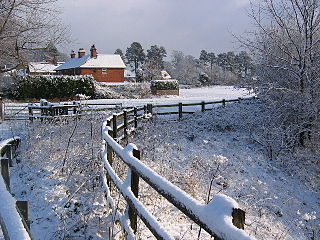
[[25, 26], [286, 44]]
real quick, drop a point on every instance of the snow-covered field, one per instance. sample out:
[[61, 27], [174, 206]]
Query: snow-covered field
[[185, 96], [58, 172]]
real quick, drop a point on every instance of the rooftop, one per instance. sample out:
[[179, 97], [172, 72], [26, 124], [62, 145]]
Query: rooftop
[[101, 61]]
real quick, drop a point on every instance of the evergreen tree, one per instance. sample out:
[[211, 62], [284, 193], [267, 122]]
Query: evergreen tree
[[118, 51], [211, 59], [204, 57], [156, 55], [135, 55], [155, 62]]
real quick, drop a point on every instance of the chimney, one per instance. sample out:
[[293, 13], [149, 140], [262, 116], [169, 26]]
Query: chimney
[[55, 60], [73, 54], [81, 53], [93, 51]]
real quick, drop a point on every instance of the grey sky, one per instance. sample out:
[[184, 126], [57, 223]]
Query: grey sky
[[186, 25]]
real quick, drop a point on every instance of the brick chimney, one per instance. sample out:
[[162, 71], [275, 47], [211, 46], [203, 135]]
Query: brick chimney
[[55, 60], [81, 53], [93, 51], [73, 54]]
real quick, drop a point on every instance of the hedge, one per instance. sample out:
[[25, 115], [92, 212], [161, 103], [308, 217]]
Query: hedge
[[57, 86], [165, 84]]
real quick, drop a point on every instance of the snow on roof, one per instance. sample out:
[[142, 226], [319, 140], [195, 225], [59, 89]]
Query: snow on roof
[[101, 61], [105, 61], [43, 67], [165, 75]]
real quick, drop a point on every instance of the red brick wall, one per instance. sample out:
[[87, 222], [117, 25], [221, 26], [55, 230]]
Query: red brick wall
[[111, 75]]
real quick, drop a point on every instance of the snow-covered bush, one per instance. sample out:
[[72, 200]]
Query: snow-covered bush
[[165, 84], [53, 87]]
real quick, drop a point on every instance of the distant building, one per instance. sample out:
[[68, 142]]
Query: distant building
[[46, 67], [129, 74], [165, 75], [103, 67]]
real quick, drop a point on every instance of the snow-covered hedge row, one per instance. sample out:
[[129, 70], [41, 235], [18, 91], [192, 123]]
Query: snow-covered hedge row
[[53, 86], [165, 84]]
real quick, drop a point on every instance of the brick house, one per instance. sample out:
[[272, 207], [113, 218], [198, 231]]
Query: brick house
[[103, 67]]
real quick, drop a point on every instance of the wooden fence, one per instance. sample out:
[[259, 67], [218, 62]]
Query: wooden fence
[[34, 110], [117, 127], [13, 214]]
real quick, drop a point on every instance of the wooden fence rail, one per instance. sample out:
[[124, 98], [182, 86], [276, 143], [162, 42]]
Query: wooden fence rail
[[13, 214], [131, 157]]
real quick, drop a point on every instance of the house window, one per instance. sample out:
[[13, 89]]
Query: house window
[[104, 70]]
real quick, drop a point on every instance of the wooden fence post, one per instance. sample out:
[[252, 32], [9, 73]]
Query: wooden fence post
[[203, 106], [135, 113], [109, 158], [23, 208], [5, 172], [30, 109], [223, 102], [74, 108], [135, 190], [114, 126], [1, 110], [180, 111], [9, 154], [149, 108], [125, 123], [238, 218]]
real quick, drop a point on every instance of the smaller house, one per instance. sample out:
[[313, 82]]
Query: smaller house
[[129, 74], [103, 67], [165, 75], [44, 68]]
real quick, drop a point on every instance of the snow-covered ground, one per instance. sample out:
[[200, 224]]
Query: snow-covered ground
[[66, 201], [280, 201], [185, 96]]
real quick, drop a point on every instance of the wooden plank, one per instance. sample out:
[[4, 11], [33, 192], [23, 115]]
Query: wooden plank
[[135, 112], [23, 210], [114, 126], [180, 111], [203, 106], [125, 123], [166, 105], [149, 108], [238, 218], [5, 172], [135, 190], [166, 113]]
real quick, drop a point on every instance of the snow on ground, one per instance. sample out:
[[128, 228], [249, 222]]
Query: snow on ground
[[280, 203], [281, 200], [185, 96]]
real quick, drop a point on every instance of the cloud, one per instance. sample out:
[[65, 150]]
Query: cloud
[[186, 25]]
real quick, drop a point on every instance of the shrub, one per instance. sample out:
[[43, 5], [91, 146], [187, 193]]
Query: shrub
[[165, 84], [53, 87]]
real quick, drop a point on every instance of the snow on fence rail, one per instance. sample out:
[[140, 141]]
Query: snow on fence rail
[[221, 218], [49, 110], [13, 214]]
